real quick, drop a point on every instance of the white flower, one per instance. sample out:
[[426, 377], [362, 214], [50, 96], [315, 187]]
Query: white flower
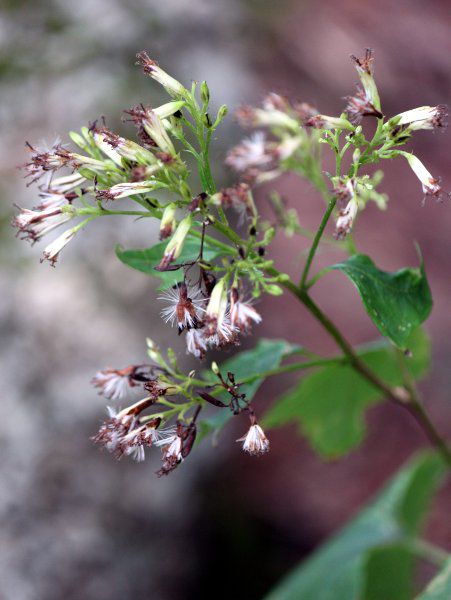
[[255, 441], [172, 446], [127, 148], [429, 184], [114, 384], [61, 185], [364, 68], [195, 343], [252, 152], [346, 219], [241, 315], [37, 223], [150, 67], [123, 190], [218, 329], [268, 116], [51, 200], [134, 441], [155, 129], [359, 106], [220, 333], [423, 117], [184, 305], [326, 122], [45, 161], [106, 148], [52, 251], [287, 147]]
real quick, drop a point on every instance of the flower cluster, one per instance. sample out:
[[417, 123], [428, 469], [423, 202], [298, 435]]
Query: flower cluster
[[278, 142], [129, 431], [210, 318], [213, 269]]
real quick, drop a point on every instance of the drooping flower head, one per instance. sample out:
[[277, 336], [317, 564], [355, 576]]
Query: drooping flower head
[[185, 305], [255, 441], [242, 313]]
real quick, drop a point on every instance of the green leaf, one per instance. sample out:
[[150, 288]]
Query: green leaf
[[396, 302], [345, 567], [440, 587], [266, 355], [145, 260], [389, 573], [329, 404]]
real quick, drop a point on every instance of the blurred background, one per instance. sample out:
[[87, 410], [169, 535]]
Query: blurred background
[[77, 524]]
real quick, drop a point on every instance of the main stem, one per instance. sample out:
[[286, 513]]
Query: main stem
[[406, 396]]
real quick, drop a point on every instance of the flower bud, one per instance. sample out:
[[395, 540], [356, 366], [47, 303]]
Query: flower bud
[[217, 304], [152, 351], [423, 117], [215, 368], [326, 122], [204, 93], [166, 110], [364, 68], [168, 221], [222, 112], [150, 67], [429, 184], [175, 245]]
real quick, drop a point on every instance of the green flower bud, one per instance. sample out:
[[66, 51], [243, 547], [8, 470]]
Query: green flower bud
[[204, 93], [222, 112]]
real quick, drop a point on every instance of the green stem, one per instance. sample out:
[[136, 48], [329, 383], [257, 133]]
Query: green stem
[[228, 233], [316, 241], [406, 396], [415, 406], [430, 552]]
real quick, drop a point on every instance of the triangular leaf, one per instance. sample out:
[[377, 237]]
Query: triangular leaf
[[329, 404], [396, 302]]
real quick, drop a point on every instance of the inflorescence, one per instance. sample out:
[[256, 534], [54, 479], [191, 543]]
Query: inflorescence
[[212, 301]]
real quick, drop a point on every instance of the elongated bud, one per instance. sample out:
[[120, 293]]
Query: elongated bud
[[204, 93], [423, 117], [175, 245], [326, 122], [168, 221], [217, 304], [166, 110], [152, 351], [364, 68], [154, 127], [248, 116], [150, 67], [222, 112], [127, 148], [123, 190], [212, 400], [430, 185], [215, 368]]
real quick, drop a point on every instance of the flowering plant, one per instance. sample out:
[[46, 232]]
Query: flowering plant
[[214, 266]]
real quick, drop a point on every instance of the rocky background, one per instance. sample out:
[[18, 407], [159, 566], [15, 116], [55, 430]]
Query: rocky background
[[78, 525]]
